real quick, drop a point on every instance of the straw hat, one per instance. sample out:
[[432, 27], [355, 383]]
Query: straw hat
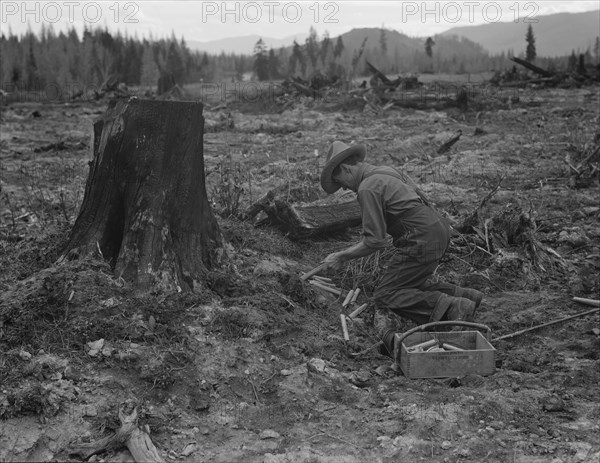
[[338, 153]]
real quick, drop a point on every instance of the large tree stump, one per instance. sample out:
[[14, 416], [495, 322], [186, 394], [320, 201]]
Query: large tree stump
[[145, 207]]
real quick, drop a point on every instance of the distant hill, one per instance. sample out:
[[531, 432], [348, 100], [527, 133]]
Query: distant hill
[[407, 54], [404, 53], [555, 35], [352, 41], [243, 45], [405, 44]]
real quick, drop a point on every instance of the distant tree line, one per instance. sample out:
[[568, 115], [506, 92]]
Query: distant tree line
[[332, 57], [33, 61], [442, 54]]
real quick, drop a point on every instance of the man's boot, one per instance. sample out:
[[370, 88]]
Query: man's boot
[[386, 347], [452, 290], [471, 294], [461, 309]]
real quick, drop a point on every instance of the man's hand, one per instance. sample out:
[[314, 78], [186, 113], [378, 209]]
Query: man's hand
[[334, 261]]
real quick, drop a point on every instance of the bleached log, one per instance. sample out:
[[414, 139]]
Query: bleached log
[[129, 435]]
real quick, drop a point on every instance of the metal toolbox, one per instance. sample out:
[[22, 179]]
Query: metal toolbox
[[473, 355]]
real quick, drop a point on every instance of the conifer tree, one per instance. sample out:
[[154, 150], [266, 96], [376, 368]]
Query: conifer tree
[[339, 47], [150, 72], [572, 62], [383, 41], [530, 52], [175, 64], [312, 48], [297, 59], [261, 60], [273, 65], [429, 43], [31, 68], [325, 48]]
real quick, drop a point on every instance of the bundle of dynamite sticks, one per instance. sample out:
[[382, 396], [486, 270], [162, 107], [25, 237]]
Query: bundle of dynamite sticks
[[327, 285], [433, 345]]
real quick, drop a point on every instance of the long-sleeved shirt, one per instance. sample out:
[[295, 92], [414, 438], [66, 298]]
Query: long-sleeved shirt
[[381, 194]]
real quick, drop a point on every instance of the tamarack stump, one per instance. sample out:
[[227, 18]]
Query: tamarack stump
[[145, 207]]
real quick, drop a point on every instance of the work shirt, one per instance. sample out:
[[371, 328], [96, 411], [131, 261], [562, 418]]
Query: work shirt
[[382, 196]]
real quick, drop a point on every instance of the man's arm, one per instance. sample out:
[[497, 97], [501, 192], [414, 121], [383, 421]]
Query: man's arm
[[336, 259]]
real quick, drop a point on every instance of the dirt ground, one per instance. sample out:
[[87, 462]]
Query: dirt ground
[[256, 369]]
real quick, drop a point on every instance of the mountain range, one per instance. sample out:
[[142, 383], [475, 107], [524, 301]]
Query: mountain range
[[556, 35], [244, 45]]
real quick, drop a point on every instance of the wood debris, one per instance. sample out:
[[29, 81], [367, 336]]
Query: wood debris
[[129, 435], [583, 74]]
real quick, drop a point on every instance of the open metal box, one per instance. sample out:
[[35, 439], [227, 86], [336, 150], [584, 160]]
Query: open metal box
[[476, 354]]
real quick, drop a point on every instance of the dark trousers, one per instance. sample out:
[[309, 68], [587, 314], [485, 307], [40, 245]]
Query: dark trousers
[[421, 237]]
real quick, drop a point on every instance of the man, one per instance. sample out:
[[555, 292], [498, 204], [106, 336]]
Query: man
[[390, 206]]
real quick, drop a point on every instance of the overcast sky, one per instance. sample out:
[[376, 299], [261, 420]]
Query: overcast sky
[[211, 20]]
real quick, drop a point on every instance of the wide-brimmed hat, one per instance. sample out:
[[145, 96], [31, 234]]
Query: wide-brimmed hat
[[338, 153]]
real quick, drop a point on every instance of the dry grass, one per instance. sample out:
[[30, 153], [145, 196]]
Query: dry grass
[[366, 272]]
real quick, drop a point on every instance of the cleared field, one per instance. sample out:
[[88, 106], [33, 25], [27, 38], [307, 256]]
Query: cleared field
[[254, 368]]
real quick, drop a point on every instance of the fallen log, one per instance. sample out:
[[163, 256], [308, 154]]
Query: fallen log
[[129, 435], [306, 91], [302, 222], [524, 83], [381, 76], [424, 101], [532, 67], [410, 82]]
